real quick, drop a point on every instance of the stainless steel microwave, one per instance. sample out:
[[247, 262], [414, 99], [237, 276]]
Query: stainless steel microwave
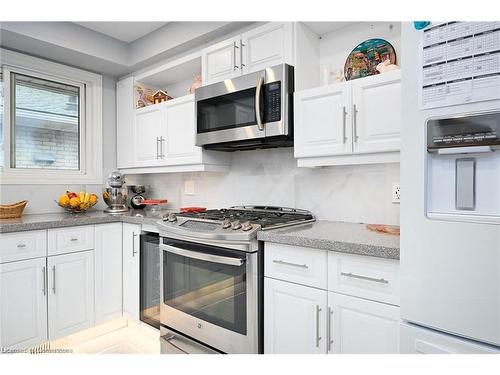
[[247, 112]]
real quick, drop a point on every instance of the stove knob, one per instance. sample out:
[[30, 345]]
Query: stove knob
[[236, 225], [226, 223], [172, 217], [246, 226]]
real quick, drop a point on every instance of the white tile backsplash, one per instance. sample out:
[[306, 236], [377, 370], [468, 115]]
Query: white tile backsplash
[[270, 177]]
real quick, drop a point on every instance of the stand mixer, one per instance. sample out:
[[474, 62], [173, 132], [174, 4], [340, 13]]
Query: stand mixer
[[115, 194]]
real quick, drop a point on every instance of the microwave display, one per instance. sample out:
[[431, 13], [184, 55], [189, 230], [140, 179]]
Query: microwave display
[[272, 100]]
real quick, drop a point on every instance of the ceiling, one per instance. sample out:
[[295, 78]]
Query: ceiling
[[125, 31], [321, 28]]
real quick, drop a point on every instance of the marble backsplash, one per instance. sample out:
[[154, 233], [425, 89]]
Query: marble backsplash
[[270, 177]]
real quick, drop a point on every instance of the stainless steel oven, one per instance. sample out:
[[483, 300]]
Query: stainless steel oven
[[247, 112], [210, 297]]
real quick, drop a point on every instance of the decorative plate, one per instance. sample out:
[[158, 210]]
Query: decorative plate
[[363, 59]]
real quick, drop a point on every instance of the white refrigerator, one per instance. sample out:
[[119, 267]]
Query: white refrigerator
[[450, 203]]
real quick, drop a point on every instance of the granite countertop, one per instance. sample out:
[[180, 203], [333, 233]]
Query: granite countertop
[[64, 219], [336, 236]]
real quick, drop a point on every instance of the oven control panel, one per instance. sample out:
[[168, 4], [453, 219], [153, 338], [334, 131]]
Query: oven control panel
[[272, 102]]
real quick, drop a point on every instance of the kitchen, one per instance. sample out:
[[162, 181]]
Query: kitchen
[[239, 187]]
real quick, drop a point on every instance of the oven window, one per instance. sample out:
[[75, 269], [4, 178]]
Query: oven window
[[213, 292], [233, 110]]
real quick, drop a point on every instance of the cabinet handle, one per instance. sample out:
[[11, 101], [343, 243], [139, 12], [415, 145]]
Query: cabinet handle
[[234, 54], [318, 337], [162, 152], [73, 239], [290, 264], [54, 279], [361, 277], [134, 235], [355, 122], [241, 53], [44, 275], [157, 148], [329, 328], [344, 115], [21, 246]]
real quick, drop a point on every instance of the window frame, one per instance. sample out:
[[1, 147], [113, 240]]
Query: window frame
[[90, 126]]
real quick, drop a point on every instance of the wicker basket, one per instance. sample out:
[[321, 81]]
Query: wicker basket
[[11, 211]]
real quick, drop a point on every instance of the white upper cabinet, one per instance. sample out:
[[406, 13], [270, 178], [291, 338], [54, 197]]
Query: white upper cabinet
[[125, 122], [71, 293], [266, 46], [148, 129], [355, 122], [23, 308], [179, 140], [108, 272], [377, 112], [322, 121], [221, 61]]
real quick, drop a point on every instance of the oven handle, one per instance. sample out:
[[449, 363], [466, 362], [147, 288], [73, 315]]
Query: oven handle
[[260, 82], [203, 256]]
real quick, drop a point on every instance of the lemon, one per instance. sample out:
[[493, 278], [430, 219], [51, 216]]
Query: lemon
[[64, 200]]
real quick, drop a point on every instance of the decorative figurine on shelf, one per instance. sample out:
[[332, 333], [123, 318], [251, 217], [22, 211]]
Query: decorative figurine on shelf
[[386, 66], [196, 84], [160, 96], [141, 101]]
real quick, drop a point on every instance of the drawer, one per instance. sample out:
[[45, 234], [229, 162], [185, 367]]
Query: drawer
[[366, 277], [299, 265], [22, 245], [70, 240]]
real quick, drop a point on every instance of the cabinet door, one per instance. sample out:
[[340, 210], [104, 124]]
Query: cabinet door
[[23, 308], [71, 293], [108, 272], [268, 45], [125, 119], [131, 244], [221, 61], [359, 326], [377, 112], [294, 318], [179, 140], [323, 121], [149, 125]]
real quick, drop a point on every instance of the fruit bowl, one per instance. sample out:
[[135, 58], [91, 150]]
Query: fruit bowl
[[77, 203]]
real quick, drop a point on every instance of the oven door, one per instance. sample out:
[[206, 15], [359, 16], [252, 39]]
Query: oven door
[[210, 294], [252, 106]]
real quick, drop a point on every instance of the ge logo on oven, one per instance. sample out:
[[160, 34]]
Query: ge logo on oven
[[200, 326]]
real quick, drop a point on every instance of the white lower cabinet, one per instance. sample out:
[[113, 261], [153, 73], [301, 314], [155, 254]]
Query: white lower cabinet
[[71, 293], [23, 308], [314, 318], [294, 318], [108, 272], [130, 247], [359, 326]]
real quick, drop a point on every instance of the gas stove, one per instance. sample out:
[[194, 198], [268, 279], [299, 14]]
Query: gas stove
[[240, 223]]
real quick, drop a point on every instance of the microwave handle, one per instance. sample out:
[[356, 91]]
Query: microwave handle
[[260, 82], [203, 256]]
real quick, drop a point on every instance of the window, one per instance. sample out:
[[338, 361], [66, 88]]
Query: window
[[50, 129]]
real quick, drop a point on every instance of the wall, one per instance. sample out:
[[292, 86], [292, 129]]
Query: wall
[[41, 197], [270, 177]]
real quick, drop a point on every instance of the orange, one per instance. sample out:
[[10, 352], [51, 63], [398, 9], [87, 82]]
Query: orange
[[74, 202], [64, 200], [93, 199]]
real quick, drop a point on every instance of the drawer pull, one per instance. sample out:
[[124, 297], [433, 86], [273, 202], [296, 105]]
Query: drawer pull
[[21, 245], [74, 239], [361, 277], [290, 264]]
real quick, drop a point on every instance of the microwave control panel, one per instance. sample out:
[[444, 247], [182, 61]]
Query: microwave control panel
[[272, 102]]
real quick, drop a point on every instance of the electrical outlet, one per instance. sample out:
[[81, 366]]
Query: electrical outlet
[[396, 193], [189, 187]]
